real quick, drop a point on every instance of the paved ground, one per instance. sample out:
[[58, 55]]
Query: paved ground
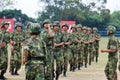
[[93, 72]]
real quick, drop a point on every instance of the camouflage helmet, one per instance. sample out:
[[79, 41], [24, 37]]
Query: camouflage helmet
[[4, 23], [65, 25], [56, 23], [35, 28], [111, 29], [89, 29], [73, 26], [85, 28], [18, 24], [79, 26], [46, 21], [95, 29]]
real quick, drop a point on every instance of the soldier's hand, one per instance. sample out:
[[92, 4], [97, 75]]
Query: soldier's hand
[[102, 51], [22, 44], [4, 44], [55, 45]]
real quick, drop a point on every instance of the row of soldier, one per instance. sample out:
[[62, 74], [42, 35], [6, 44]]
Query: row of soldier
[[40, 49]]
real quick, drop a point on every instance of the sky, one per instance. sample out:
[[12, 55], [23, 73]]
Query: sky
[[30, 7]]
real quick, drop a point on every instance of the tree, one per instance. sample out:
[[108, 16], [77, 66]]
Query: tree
[[5, 3], [93, 13], [17, 15]]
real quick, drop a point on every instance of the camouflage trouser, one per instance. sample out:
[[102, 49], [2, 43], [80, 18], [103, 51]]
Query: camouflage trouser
[[3, 59], [15, 62], [59, 61], [90, 54], [110, 69], [74, 58], [66, 56], [49, 65], [85, 55], [34, 70], [80, 56], [96, 53]]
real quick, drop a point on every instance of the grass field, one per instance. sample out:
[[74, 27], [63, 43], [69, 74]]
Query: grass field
[[93, 72]]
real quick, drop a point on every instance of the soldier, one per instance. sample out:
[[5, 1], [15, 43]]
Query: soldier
[[85, 42], [80, 48], [34, 56], [58, 55], [96, 43], [5, 39], [47, 36], [66, 48], [112, 49], [17, 39], [90, 45], [74, 57]]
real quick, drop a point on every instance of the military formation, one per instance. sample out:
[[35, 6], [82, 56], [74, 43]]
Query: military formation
[[50, 52]]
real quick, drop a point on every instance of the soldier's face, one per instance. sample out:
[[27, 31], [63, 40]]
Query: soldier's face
[[65, 28], [79, 29], [46, 25], [89, 32], [18, 28], [6, 26], [85, 31], [73, 29], [56, 28], [94, 31]]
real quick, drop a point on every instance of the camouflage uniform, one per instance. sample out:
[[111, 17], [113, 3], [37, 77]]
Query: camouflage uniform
[[58, 55], [16, 55], [110, 69], [80, 48], [96, 44], [49, 55], [5, 38], [34, 66], [66, 50], [74, 57], [85, 54]]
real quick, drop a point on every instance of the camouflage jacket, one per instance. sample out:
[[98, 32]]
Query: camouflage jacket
[[34, 46], [96, 43], [113, 44], [47, 39]]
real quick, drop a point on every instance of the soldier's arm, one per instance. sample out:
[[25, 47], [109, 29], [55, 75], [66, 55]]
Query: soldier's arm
[[108, 51], [50, 32]]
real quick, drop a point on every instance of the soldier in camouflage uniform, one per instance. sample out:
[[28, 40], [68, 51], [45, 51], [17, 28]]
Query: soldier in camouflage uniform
[[5, 39], [74, 58], [85, 42], [58, 55], [34, 56], [17, 39], [66, 48], [110, 69], [91, 48], [96, 43], [47, 36], [80, 48]]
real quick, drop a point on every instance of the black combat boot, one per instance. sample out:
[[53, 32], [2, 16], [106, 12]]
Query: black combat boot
[[2, 75], [70, 67], [85, 65], [12, 71], [96, 59], [78, 66], [64, 73], [57, 76], [16, 73]]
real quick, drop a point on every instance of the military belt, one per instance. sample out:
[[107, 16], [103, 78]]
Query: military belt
[[37, 58]]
